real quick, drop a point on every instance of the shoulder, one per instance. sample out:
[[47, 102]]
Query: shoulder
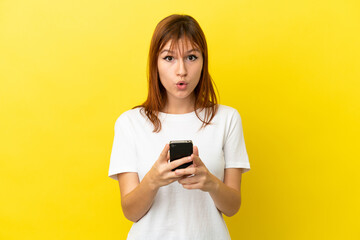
[[224, 111], [129, 116]]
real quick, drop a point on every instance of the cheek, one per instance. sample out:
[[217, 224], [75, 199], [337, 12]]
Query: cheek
[[160, 70], [198, 71], [163, 75]]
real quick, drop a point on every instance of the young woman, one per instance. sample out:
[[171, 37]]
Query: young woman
[[181, 105]]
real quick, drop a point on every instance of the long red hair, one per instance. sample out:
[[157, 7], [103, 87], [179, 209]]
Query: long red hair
[[176, 27]]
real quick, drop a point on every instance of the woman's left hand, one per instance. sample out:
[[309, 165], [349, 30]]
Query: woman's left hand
[[197, 176]]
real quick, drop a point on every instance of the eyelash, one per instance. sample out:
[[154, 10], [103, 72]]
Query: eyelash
[[165, 58]]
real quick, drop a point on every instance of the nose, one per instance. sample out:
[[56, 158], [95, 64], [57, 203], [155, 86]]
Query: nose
[[181, 68]]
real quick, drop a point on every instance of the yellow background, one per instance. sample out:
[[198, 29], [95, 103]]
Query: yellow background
[[69, 68]]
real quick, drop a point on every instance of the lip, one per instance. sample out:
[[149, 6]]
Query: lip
[[181, 85]]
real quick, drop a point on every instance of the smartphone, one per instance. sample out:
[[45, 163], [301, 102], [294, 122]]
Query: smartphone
[[180, 149]]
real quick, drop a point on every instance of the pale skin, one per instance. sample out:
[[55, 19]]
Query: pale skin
[[138, 196]]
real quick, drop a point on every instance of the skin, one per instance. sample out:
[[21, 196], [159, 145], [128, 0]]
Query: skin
[[174, 67], [137, 197]]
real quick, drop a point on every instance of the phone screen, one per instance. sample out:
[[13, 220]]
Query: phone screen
[[180, 149]]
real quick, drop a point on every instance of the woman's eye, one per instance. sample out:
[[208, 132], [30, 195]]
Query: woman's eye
[[168, 58], [192, 57]]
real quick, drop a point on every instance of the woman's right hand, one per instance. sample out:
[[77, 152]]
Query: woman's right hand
[[160, 174], [137, 197]]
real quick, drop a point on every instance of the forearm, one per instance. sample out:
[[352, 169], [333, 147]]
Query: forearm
[[137, 198], [226, 199], [138, 202]]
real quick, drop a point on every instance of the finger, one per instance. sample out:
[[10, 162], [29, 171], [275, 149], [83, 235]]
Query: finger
[[189, 180], [197, 161], [179, 162], [186, 171], [187, 175], [196, 150], [192, 186], [164, 153], [172, 176]]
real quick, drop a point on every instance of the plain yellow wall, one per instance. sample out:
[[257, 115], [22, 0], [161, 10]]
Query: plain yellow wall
[[68, 69]]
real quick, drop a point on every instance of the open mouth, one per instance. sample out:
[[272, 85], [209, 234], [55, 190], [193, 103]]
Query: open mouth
[[181, 85]]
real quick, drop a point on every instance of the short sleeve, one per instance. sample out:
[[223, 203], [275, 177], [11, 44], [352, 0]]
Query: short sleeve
[[235, 153], [123, 155]]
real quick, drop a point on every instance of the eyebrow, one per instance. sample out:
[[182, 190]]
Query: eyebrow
[[192, 50]]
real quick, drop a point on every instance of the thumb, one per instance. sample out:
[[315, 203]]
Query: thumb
[[196, 150], [164, 155], [197, 161]]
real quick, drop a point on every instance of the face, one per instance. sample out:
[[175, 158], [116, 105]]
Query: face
[[180, 72]]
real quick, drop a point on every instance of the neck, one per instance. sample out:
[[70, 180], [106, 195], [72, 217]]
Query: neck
[[179, 106]]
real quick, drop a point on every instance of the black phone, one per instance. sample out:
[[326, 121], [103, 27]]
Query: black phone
[[180, 149]]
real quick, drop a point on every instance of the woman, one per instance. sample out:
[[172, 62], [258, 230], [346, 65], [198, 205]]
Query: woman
[[181, 105]]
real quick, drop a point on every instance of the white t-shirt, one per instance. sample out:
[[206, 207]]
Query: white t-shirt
[[179, 213]]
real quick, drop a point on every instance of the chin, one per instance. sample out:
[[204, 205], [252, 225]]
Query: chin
[[181, 95]]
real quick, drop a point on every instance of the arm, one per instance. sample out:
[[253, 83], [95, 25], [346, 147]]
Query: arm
[[137, 197], [226, 195]]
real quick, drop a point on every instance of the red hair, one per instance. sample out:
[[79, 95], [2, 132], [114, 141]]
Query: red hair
[[174, 28]]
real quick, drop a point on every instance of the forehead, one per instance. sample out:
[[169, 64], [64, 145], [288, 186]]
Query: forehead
[[182, 45]]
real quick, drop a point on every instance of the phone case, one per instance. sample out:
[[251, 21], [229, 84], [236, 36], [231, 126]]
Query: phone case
[[180, 149]]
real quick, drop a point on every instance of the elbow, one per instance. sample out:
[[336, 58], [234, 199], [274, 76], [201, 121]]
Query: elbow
[[129, 215], [232, 212], [229, 214], [235, 209], [131, 218]]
